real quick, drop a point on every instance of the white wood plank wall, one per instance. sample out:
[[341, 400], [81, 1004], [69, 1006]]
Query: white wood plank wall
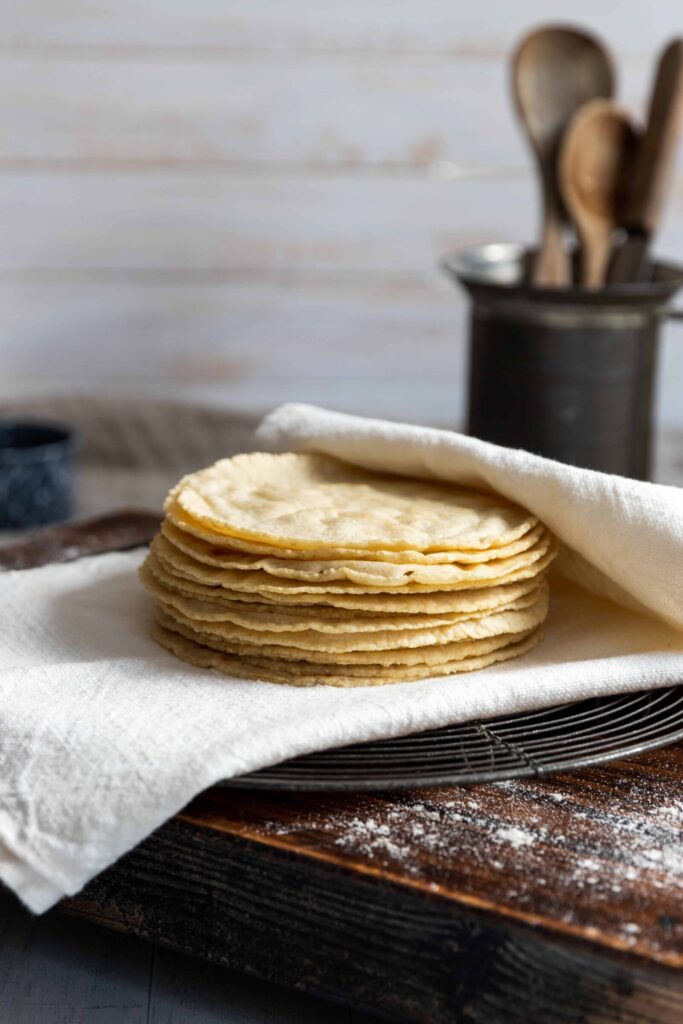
[[246, 201]]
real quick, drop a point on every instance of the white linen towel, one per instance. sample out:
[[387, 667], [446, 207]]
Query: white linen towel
[[103, 735]]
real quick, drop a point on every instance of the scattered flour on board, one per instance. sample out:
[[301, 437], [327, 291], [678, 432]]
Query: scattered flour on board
[[592, 854], [516, 837]]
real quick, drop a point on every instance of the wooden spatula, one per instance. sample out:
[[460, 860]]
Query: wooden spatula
[[651, 172]]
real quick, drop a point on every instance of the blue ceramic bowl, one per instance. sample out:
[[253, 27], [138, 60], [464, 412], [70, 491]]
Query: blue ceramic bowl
[[36, 474]]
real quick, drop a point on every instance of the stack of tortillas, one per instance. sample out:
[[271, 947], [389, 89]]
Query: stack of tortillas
[[301, 569]]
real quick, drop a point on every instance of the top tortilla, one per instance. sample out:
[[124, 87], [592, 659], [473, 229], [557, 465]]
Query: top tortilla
[[316, 502]]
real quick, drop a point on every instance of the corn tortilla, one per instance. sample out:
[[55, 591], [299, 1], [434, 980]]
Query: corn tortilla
[[399, 602], [424, 579], [184, 532], [508, 620], [325, 619], [303, 674], [432, 655], [313, 501]]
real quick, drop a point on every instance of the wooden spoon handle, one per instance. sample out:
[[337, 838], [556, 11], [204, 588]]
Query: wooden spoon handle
[[595, 254], [552, 266]]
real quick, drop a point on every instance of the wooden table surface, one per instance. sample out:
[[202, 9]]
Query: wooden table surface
[[549, 900]]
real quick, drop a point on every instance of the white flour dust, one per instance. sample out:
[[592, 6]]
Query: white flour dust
[[519, 837]]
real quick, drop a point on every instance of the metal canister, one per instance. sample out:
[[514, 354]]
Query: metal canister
[[566, 373]]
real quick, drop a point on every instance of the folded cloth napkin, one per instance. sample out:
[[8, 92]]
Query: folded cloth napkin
[[105, 735]]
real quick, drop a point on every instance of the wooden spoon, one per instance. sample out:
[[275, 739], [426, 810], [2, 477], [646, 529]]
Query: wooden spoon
[[652, 171], [598, 146], [555, 70]]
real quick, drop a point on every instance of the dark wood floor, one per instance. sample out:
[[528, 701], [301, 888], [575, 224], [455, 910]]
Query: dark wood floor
[[58, 970]]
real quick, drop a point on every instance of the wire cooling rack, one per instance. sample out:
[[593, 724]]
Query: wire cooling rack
[[520, 746]]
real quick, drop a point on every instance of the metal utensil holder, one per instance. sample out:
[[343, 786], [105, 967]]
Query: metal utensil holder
[[565, 373]]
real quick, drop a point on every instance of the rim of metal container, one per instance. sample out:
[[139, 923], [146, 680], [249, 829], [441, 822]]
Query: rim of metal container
[[499, 270]]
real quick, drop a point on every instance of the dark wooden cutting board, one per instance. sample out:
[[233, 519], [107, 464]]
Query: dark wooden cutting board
[[556, 900]]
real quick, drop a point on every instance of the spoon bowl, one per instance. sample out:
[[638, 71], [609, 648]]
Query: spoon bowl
[[555, 71], [599, 146]]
